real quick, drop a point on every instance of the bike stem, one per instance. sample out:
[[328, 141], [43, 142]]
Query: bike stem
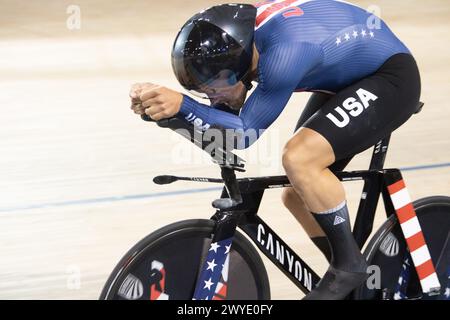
[[228, 161], [232, 187]]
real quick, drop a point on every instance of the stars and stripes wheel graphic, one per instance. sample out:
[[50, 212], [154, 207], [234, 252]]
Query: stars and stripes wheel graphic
[[170, 262]]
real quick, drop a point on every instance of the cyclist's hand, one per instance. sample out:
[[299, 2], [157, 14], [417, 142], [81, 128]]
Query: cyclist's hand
[[135, 92], [160, 102]]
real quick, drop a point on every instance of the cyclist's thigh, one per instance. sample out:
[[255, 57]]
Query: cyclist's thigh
[[315, 103], [357, 117]]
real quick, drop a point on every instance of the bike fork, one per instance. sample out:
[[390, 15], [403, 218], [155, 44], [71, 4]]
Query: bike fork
[[213, 278]]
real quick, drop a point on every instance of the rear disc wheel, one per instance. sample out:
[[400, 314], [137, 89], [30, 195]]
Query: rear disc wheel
[[388, 251]]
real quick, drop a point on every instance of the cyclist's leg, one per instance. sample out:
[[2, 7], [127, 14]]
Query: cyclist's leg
[[293, 202], [371, 109], [315, 103]]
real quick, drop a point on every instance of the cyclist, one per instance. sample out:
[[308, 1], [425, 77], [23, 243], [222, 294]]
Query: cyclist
[[365, 81]]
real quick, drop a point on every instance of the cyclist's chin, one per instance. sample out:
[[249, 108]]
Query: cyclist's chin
[[238, 103], [235, 107], [235, 100]]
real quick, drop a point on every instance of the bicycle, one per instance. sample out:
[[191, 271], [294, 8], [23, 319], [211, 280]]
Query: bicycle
[[211, 259]]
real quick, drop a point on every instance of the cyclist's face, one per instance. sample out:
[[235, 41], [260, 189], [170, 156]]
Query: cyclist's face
[[233, 96]]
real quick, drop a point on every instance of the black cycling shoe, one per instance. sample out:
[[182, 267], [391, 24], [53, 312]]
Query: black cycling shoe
[[336, 285]]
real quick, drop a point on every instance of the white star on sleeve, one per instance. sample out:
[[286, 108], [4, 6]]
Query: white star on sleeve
[[227, 249], [347, 37], [214, 247], [208, 284], [355, 34], [338, 41], [211, 265], [363, 33], [372, 34]]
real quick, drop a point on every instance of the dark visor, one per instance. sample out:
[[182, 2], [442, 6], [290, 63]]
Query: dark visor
[[207, 58]]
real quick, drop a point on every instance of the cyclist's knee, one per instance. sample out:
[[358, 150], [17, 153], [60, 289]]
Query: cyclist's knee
[[290, 198], [295, 157], [306, 154]]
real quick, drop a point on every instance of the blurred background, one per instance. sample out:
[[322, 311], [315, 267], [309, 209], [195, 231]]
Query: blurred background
[[76, 165]]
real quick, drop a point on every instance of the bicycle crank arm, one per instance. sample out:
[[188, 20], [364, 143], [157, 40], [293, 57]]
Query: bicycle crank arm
[[170, 179]]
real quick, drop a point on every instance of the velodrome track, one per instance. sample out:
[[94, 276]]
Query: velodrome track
[[76, 164]]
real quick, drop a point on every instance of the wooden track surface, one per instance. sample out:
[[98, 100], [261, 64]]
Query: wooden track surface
[[76, 164]]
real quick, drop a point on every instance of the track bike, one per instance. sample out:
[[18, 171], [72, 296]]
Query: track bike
[[212, 259]]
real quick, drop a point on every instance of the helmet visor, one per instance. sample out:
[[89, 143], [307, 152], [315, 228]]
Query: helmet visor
[[206, 59]]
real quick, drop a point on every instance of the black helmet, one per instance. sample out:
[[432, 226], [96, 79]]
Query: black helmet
[[214, 48]]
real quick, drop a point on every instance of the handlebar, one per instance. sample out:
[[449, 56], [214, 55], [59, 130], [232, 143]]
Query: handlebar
[[147, 118], [218, 153], [228, 161]]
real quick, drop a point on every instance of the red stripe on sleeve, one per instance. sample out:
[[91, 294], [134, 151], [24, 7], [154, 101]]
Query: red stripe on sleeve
[[272, 9]]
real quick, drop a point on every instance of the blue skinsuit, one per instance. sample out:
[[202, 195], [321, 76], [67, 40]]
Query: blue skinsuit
[[326, 48]]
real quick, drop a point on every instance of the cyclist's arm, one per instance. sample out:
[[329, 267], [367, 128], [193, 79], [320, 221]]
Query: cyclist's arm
[[282, 69]]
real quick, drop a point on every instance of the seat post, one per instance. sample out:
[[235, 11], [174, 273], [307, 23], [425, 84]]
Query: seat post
[[370, 195], [379, 154]]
